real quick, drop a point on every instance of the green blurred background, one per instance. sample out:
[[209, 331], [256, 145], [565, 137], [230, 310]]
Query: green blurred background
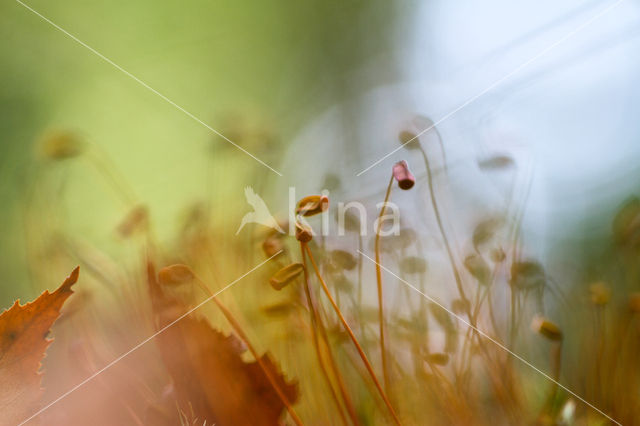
[[262, 66], [263, 72]]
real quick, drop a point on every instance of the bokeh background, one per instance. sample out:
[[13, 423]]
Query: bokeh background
[[256, 72], [318, 90], [264, 74]]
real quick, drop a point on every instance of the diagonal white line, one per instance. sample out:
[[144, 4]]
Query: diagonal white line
[[109, 61], [505, 77], [497, 343], [136, 347]]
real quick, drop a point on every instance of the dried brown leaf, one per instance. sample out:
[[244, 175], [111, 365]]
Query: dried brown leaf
[[23, 342], [211, 380]]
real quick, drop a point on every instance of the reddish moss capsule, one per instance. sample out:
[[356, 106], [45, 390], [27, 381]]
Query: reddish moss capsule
[[312, 205], [304, 234], [403, 175]]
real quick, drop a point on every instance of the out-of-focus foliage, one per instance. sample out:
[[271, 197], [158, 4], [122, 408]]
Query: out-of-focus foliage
[[23, 342], [256, 73]]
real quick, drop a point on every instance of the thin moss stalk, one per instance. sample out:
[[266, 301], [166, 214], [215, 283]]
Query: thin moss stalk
[[383, 352], [353, 338], [317, 325], [436, 211]]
